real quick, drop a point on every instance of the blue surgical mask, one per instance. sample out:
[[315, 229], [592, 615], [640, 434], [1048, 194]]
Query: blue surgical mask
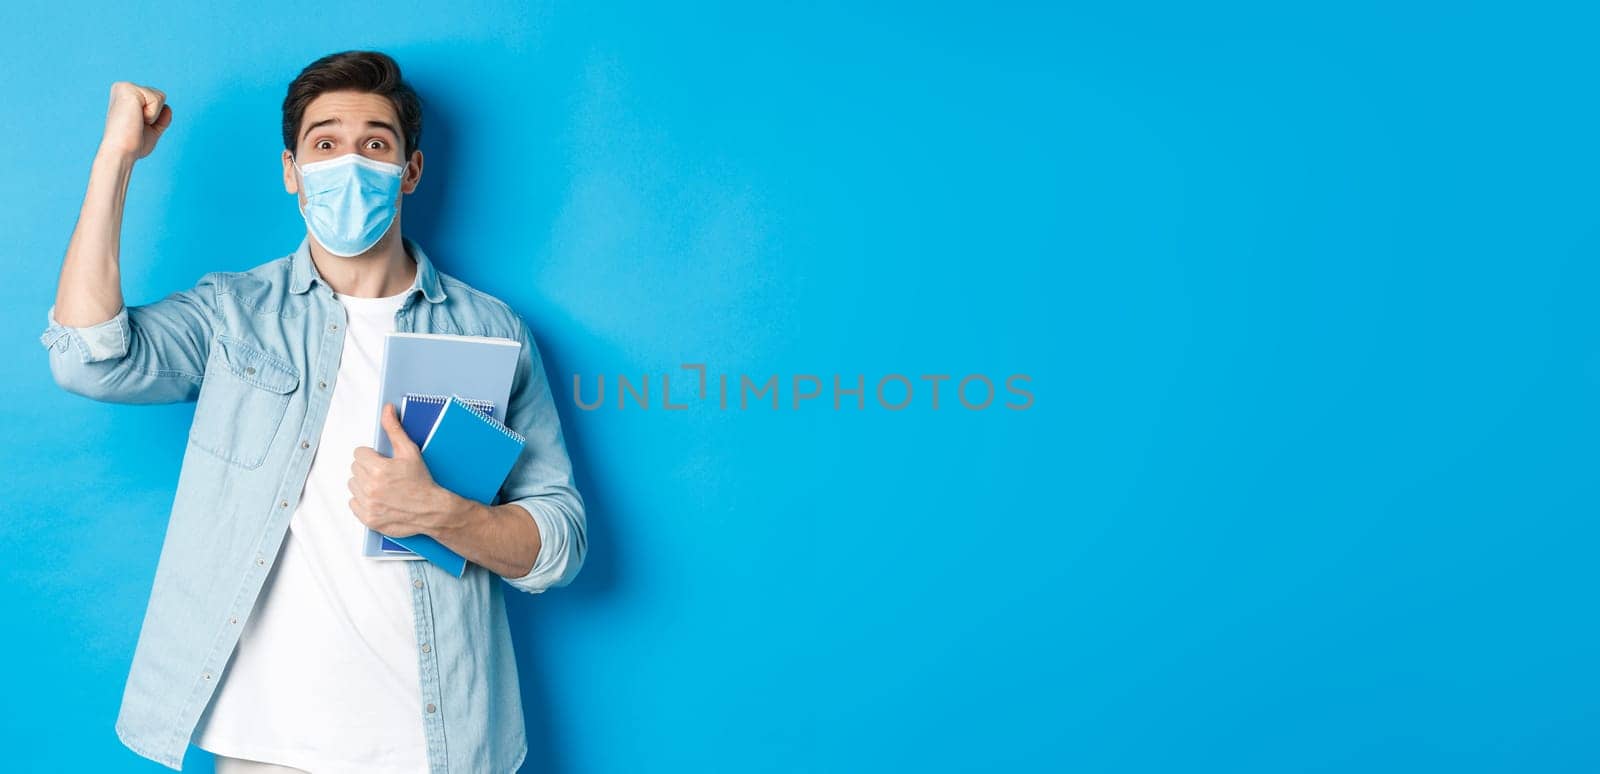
[[351, 201]]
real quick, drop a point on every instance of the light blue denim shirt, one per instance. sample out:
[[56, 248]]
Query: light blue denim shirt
[[258, 351]]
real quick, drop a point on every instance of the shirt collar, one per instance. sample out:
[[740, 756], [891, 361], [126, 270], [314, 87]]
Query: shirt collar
[[302, 270]]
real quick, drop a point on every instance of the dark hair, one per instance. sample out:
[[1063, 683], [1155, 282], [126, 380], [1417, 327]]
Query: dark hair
[[372, 72]]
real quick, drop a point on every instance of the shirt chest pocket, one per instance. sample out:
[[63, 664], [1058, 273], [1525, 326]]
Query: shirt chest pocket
[[242, 401]]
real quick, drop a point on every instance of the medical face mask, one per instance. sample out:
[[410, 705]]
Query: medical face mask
[[350, 202]]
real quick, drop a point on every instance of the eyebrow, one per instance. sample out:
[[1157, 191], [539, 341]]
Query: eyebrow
[[326, 121]]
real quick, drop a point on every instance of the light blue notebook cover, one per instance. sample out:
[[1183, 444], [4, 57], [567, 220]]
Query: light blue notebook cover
[[478, 367]]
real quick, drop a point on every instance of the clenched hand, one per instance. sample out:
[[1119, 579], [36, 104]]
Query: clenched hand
[[396, 495], [135, 119]]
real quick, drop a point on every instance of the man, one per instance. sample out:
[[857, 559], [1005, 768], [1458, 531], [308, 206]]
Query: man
[[268, 636]]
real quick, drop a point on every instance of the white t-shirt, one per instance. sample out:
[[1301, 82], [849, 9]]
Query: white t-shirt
[[325, 675]]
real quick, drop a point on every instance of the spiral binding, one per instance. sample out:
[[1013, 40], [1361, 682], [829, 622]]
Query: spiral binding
[[514, 435], [440, 400]]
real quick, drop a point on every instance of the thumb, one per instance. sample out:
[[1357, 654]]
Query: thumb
[[402, 443]]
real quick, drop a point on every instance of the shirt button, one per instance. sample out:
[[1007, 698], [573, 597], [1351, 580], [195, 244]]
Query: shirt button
[[333, 327], [207, 676], [426, 648], [260, 562], [431, 708], [322, 384], [249, 369], [417, 583], [305, 444], [283, 503], [233, 620]]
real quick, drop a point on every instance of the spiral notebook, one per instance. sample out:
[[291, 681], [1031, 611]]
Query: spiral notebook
[[469, 452]]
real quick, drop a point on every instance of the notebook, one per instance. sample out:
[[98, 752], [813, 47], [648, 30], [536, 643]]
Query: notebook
[[481, 367], [469, 452]]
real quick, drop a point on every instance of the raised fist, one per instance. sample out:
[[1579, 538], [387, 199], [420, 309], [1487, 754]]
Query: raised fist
[[135, 119]]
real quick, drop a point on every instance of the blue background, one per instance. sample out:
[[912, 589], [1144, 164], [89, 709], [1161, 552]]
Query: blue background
[[1306, 297]]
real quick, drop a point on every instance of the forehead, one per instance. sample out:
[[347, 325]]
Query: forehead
[[353, 109]]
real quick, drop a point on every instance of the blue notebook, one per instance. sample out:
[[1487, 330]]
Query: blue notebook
[[480, 367], [469, 452]]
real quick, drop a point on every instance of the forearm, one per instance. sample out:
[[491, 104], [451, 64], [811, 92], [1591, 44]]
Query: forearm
[[501, 538], [90, 288]]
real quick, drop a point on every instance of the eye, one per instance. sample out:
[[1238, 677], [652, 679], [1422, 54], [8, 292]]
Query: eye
[[324, 145], [376, 144]]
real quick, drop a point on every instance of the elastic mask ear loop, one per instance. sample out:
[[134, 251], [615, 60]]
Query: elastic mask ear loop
[[301, 184], [299, 169]]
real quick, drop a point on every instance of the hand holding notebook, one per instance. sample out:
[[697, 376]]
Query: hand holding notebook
[[467, 452], [418, 412]]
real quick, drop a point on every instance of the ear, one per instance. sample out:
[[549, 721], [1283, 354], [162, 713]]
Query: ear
[[291, 180], [413, 174]]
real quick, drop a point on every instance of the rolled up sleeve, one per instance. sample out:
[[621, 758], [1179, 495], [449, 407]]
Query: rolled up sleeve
[[151, 353], [542, 482], [93, 343]]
